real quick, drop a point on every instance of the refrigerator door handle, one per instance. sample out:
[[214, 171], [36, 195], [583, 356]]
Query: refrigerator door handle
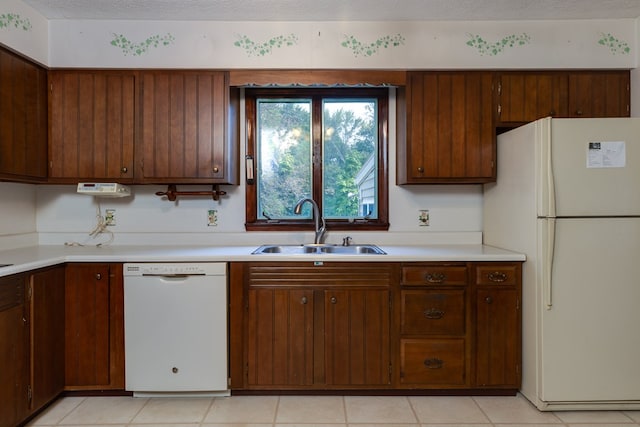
[[549, 193], [549, 250]]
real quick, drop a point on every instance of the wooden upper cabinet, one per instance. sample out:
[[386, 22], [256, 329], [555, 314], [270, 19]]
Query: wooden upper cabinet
[[23, 119], [527, 96], [91, 125], [599, 94], [185, 128], [450, 136]]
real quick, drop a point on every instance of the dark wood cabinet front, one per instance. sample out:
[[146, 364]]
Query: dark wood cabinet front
[[450, 136], [91, 123], [599, 94], [94, 326], [186, 128], [23, 119]]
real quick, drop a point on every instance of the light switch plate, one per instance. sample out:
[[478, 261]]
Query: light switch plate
[[212, 218], [423, 217]]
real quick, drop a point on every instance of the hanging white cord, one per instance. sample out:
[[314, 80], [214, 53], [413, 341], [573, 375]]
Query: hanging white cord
[[100, 228]]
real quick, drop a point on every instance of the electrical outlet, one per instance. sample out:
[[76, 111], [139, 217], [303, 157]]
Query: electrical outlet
[[110, 217], [212, 218], [423, 217]]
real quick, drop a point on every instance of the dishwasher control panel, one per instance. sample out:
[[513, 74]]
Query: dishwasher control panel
[[175, 269]]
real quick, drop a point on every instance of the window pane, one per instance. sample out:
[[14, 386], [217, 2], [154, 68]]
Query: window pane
[[350, 140], [284, 156]]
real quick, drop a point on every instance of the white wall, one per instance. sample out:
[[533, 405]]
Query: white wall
[[17, 215]]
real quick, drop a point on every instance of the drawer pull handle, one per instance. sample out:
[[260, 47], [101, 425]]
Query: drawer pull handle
[[433, 313], [433, 363], [497, 276], [488, 300], [334, 300], [98, 276], [435, 277], [303, 300]]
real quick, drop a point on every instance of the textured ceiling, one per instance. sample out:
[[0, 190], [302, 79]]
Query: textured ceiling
[[337, 10]]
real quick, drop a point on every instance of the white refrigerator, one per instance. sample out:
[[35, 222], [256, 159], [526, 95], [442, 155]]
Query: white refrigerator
[[568, 196]]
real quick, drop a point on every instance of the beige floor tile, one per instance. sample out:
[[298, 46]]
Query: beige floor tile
[[573, 417], [57, 411], [513, 409], [174, 410], [311, 410], [379, 409], [243, 409], [447, 409], [104, 410]]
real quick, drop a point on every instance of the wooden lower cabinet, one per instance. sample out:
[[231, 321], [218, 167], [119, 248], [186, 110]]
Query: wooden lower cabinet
[[426, 327], [14, 351], [309, 326], [31, 343], [46, 288], [94, 327]]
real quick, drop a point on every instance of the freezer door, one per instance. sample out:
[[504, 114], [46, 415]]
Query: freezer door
[[595, 166], [589, 340]]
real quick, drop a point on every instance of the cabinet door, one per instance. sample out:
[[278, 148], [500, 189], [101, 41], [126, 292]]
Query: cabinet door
[[356, 343], [450, 136], [94, 327], [23, 119], [527, 96], [599, 94], [47, 335], [183, 128], [14, 355], [92, 130], [280, 337], [498, 320]]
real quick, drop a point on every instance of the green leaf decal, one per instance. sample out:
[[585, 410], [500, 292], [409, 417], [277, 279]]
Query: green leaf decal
[[615, 46], [8, 20], [485, 48], [136, 49], [360, 49], [261, 49]]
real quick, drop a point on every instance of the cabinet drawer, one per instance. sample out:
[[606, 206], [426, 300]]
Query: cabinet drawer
[[433, 361], [434, 275], [497, 275], [433, 312]]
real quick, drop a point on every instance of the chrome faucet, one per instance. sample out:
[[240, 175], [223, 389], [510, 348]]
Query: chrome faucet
[[319, 221]]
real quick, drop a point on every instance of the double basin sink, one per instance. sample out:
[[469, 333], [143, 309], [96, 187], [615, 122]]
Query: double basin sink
[[317, 249]]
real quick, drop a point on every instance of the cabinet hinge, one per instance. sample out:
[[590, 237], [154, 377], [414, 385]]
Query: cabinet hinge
[[30, 291], [499, 109], [500, 88], [29, 394], [390, 372], [51, 88], [518, 304]]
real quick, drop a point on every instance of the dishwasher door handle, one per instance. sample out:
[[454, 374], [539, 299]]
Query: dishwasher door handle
[[171, 275]]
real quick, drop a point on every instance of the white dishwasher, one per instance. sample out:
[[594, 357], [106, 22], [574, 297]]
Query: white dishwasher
[[175, 324]]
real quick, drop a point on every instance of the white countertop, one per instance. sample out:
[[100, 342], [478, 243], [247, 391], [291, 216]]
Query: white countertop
[[34, 257]]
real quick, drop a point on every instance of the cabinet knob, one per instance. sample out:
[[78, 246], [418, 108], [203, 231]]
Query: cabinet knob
[[124, 169], [420, 169], [216, 169], [304, 300], [578, 112], [497, 276], [333, 300], [552, 113], [435, 277], [174, 370], [433, 363], [98, 276], [488, 300]]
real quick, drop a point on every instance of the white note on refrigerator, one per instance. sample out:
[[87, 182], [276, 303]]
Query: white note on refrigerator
[[606, 154]]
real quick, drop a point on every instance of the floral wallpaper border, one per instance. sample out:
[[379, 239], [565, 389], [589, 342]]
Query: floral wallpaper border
[[136, 49], [8, 20]]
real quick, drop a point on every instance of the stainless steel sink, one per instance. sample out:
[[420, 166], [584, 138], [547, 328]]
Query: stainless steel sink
[[319, 249]]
